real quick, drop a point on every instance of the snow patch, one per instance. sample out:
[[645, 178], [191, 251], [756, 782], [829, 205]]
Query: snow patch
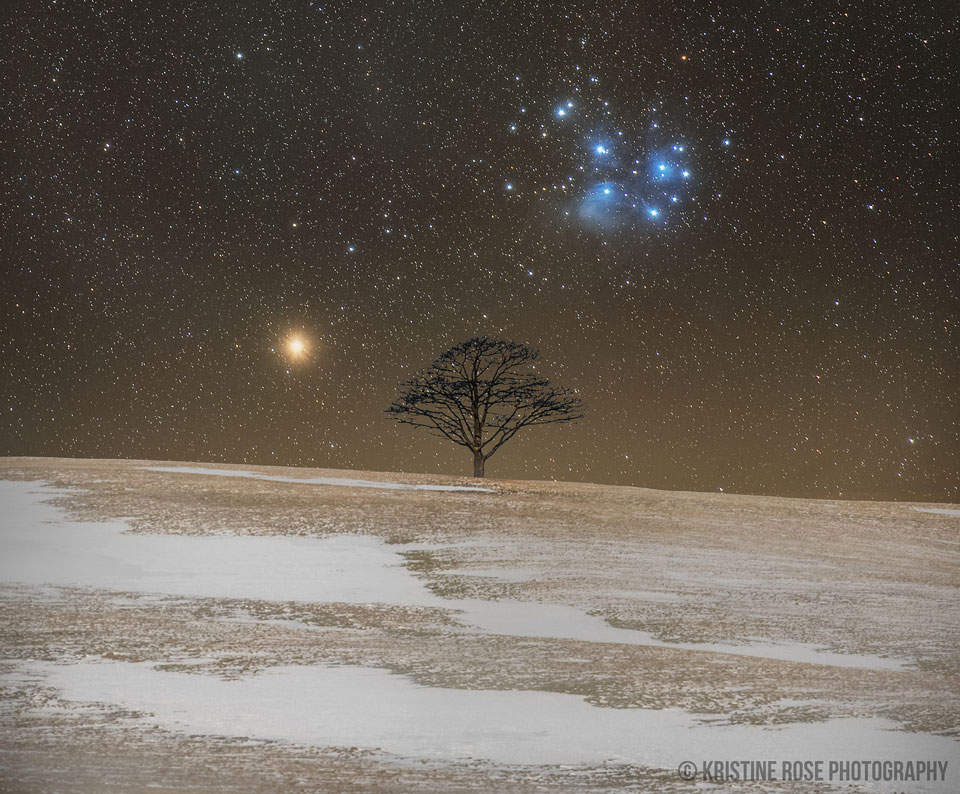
[[341, 481], [42, 548], [372, 708], [943, 511]]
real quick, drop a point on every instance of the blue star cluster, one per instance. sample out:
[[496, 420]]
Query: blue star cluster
[[654, 187], [626, 180], [619, 173]]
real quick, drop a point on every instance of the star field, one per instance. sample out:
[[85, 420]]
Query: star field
[[231, 229]]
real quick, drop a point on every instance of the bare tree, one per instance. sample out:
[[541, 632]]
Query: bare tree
[[480, 394]]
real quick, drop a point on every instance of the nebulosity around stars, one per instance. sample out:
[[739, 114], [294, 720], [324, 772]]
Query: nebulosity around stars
[[727, 227], [613, 178]]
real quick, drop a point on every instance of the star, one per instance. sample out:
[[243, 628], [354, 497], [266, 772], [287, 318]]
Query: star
[[296, 347]]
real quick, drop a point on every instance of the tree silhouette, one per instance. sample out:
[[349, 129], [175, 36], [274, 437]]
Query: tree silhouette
[[480, 394]]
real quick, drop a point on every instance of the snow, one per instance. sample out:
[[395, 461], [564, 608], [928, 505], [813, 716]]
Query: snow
[[534, 619], [355, 706], [406, 721], [42, 548], [341, 481]]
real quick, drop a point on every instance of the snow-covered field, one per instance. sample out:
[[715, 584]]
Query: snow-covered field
[[255, 629]]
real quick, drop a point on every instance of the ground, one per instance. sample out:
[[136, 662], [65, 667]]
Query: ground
[[202, 627]]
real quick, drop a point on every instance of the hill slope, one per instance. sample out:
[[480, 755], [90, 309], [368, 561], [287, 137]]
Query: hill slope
[[560, 633]]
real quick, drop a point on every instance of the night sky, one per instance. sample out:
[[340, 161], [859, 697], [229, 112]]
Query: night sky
[[730, 227]]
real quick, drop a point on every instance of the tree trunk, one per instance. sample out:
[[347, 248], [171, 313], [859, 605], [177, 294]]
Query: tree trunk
[[478, 461]]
